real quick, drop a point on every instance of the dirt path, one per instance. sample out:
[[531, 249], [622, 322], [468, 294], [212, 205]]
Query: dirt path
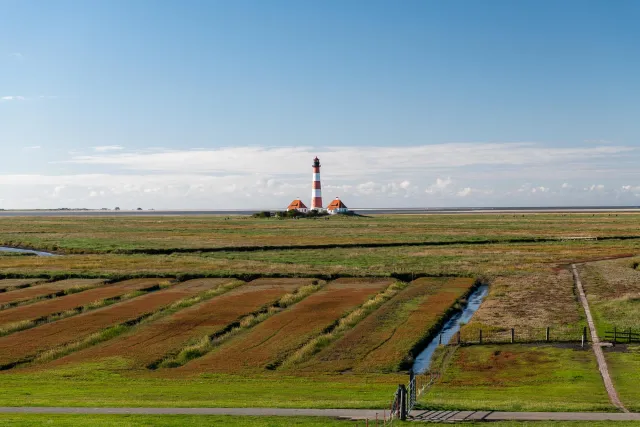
[[596, 345]]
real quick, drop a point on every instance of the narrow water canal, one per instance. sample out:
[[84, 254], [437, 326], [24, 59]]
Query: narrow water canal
[[26, 251], [450, 328]]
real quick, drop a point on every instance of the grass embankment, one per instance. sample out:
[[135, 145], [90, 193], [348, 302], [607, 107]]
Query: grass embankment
[[23, 420], [520, 378], [102, 385], [123, 234], [20, 420], [209, 420]]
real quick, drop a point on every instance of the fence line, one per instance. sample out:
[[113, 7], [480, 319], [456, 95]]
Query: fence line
[[523, 335], [622, 336]]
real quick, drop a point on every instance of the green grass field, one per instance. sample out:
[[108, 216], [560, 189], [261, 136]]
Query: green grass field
[[102, 385], [116, 233], [520, 378], [531, 288], [212, 420]]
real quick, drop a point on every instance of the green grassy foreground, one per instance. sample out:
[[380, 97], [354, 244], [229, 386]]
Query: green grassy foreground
[[96, 385], [165, 420], [520, 378], [624, 368], [20, 420]]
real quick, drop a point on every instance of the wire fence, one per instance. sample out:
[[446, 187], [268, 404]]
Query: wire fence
[[477, 336], [622, 336], [406, 397]]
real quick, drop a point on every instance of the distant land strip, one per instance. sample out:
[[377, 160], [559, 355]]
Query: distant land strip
[[167, 251], [256, 248]]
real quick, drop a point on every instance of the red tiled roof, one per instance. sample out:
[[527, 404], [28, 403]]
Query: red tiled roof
[[296, 204], [336, 204]]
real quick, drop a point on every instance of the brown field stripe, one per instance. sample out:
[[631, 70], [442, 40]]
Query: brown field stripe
[[45, 289], [384, 339], [31, 342], [46, 308], [10, 284], [274, 339], [152, 342]]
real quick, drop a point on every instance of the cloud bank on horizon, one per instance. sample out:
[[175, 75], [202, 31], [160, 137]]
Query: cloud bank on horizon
[[436, 175]]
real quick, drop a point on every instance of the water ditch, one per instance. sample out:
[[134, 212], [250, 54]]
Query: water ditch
[[25, 251], [450, 328]]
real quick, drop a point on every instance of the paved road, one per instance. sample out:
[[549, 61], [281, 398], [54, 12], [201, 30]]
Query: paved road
[[355, 414], [596, 345], [458, 416]]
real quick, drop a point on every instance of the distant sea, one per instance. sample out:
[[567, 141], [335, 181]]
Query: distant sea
[[363, 211]]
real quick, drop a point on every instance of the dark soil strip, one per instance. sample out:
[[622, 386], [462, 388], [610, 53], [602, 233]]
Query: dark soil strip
[[247, 277], [168, 251]]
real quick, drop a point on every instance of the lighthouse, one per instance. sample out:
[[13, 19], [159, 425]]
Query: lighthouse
[[316, 191]]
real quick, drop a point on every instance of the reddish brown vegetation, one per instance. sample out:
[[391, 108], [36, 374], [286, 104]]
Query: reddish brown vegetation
[[169, 335], [271, 341], [17, 283], [45, 289], [69, 302], [386, 337], [30, 342]]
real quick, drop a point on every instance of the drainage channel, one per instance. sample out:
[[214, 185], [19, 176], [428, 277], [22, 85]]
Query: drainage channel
[[450, 328], [25, 251]]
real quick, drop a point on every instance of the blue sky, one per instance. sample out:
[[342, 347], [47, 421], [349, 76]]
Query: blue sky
[[223, 104]]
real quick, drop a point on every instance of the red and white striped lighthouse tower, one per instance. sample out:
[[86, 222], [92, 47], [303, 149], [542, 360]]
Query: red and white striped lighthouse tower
[[316, 191]]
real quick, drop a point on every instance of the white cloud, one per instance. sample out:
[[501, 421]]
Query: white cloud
[[106, 148], [258, 177], [351, 161], [32, 148], [540, 189], [440, 185], [464, 192], [16, 55], [13, 98], [595, 187]]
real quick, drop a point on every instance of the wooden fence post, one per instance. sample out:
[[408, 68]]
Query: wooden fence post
[[440, 340], [548, 336], [629, 335], [480, 337], [615, 335], [458, 334], [513, 335]]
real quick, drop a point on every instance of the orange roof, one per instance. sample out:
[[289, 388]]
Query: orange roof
[[296, 204], [336, 204]]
